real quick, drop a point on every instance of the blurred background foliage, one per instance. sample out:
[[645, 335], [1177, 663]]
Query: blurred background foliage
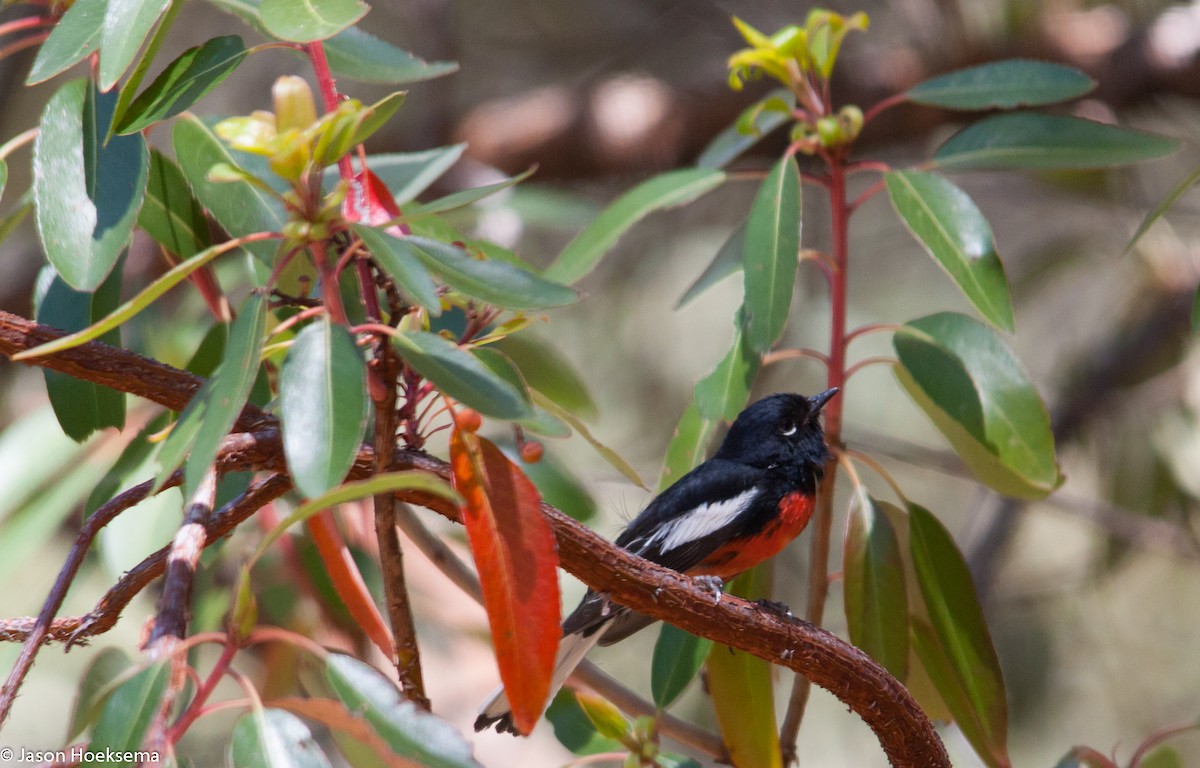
[[1090, 594]]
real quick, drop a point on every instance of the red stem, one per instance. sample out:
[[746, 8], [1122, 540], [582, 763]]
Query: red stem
[[29, 22], [195, 709], [887, 103]]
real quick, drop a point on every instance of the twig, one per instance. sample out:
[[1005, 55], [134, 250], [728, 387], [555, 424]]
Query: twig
[[175, 604]]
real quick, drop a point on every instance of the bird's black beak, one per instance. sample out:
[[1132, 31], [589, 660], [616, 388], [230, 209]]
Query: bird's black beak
[[817, 402]]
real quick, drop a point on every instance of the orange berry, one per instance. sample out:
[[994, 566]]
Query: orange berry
[[531, 452], [467, 419]]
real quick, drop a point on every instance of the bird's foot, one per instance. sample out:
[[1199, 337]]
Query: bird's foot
[[714, 585]]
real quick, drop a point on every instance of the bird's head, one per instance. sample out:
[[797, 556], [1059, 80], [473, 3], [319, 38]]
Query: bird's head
[[781, 429]]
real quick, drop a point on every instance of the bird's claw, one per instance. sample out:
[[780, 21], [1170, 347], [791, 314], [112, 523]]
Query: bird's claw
[[715, 585], [773, 606]]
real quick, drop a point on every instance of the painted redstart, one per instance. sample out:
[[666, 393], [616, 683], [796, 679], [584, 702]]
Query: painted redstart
[[726, 516]]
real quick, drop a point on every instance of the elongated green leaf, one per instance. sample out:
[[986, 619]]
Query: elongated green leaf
[[1156, 213], [86, 193], [274, 738], [167, 281], [1196, 312], [411, 732], [126, 25], [238, 206], [727, 260], [461, 375], [408, 174], [970, 675], [81, 407], [755, 122], [468, 196], [495, 282], [148, 56], [106, 671], [1047, 142], [303, 21], [608, 454], [543, 422], [184, 82], [770, 256], [678, 656], [170, 214], [389, 482], [876, 603], [548, 372], [359, 56], [1003, 85], [976, 392], [323, 406], [664, 191], [403, 266], [741, 689], [128, 713], [723, 393], [214, 408], [954, 232], [688, 445], [75, 36]]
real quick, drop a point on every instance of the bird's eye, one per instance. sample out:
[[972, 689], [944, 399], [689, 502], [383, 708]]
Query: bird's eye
[[788, 429]]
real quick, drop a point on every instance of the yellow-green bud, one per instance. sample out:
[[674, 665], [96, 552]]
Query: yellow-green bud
[[294, 105]]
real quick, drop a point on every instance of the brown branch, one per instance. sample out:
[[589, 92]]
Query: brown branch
[[175, 603], [406, 654], [906, 735]]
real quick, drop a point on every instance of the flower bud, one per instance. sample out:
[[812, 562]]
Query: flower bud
[[294, 105]]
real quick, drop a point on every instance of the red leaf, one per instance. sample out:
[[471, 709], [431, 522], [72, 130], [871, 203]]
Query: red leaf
[[370, 201], [515, 555]]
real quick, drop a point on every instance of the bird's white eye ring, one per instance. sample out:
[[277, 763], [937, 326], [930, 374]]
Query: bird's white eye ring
[[789, 430]]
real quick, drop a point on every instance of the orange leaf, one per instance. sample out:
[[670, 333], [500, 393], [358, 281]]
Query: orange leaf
[[348, 581], [515, 555]]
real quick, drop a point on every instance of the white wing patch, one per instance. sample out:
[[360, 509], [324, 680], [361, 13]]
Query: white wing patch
[[702, 521]]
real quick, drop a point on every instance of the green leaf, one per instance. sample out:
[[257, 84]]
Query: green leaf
[[81, 407], [723, 393], [170, 214], [145, 298], [106, 671], [1047, 142], [74, 37], [238, 206], [1156, 213], [663, 191], [402, 265], [688, 446], [973, 388], [954, 232], [876, 603], [742, 692], [969, 677], [128, 713], [759, 119], [559, 487], [133, 457], [495, 282], [613, 458], [303, 21], [274, 738], [212, 411], [184, 82], [727, 261], [412, 733], [770, 255], [323, 406], [468, 196], [126, 25], [548, 372], [86, 193], [389, 482], [1162, 757], [359, 56], [461, 375], [3, 176], [542, 422], [408, 174], [574, 730], [1003, 85], [678, 656], [1196, 312]]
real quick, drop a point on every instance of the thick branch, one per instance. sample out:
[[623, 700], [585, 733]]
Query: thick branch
[[175, 604]]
